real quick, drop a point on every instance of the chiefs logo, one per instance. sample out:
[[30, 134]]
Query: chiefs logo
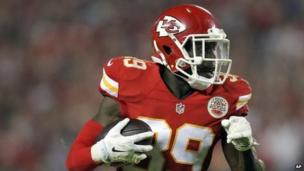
[[218, 107], [169, 25]]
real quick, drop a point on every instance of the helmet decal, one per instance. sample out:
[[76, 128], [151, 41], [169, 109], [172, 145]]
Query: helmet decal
[[169, 25]]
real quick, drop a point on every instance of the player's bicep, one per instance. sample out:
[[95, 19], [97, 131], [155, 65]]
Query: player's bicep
[[108, 111]]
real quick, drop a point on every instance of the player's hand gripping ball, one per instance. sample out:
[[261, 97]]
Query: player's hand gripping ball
[[133, 127], [124, 142]]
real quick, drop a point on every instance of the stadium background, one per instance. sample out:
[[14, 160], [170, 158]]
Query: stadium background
[[50, 65]]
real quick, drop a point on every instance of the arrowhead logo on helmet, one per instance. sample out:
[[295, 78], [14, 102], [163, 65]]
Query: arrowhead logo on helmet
[[169, 25]]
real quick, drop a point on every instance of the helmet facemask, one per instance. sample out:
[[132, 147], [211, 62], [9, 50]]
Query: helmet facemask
[[205, 58]]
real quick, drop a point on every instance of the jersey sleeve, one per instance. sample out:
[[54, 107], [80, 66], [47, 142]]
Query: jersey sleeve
[[241, 93], [109, 84], [123, 79]]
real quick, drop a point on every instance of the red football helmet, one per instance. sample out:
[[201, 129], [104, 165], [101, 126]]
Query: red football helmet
[[188, 42]]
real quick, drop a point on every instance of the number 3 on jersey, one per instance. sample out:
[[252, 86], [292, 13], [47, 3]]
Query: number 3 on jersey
[[184, 134]]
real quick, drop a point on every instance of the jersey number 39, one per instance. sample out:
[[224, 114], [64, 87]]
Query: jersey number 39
[[183, 135]]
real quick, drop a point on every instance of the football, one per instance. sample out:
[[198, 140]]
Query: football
[[135, 126]]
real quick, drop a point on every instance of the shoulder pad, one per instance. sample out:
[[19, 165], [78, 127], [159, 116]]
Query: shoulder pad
[[123, 78], [237, 85], [240, 90]]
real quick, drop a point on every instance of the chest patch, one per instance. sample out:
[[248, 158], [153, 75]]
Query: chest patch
[[218, 107]]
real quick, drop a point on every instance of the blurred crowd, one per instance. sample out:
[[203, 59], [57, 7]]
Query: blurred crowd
[[51, 55]]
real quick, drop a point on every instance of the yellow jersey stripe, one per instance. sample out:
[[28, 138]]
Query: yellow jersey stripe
[[243, 100], [109, 85]]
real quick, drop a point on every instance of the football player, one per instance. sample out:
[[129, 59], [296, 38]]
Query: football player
[[186, 95]]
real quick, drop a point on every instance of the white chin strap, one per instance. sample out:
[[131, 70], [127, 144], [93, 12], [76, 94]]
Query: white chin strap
[[198, 85]]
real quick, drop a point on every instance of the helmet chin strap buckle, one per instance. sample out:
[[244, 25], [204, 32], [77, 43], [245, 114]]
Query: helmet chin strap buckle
[[216, 33]]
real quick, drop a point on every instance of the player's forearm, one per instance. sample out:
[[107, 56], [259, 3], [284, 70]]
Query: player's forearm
[[248, 161], [79, 157], [242, 160], [80, 160]]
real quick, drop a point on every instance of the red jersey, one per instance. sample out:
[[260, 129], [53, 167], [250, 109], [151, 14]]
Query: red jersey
[[186, 130]]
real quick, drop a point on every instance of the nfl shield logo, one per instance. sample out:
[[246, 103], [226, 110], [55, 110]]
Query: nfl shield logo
[[180, 108]]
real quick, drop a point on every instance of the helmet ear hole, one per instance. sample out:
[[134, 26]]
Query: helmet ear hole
[[167, 49]]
